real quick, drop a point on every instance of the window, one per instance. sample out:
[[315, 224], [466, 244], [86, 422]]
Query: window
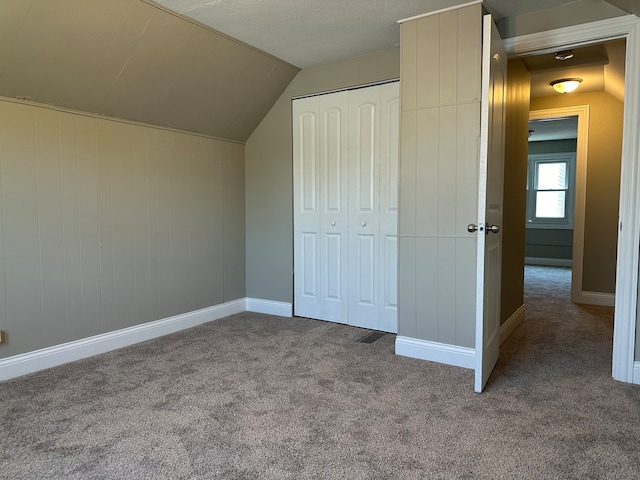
[[550, 190]]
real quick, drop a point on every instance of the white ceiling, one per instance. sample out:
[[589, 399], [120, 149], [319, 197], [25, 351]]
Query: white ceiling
[[314, 32]]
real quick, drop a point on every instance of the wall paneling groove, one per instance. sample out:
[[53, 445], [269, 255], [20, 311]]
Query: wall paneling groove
[[106, 225]]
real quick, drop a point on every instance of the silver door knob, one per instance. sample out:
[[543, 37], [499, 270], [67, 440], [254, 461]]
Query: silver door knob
[[364, 224], [472, 227], [493, 228]]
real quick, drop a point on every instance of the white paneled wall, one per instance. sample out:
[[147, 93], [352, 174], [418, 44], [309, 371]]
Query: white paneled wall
[[440, 105], [105, 225]]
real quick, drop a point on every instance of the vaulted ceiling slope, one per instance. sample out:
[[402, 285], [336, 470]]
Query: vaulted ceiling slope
[[135, 60], [142, 61]]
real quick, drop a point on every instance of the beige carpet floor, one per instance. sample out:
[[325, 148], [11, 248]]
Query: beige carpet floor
[[261, 397]]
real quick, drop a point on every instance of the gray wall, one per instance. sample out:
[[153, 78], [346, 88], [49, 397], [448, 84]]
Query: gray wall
[[105, 225], [515, 178], [604, 155], [553, 146], [269, 172], [550, 242], [565, 15]]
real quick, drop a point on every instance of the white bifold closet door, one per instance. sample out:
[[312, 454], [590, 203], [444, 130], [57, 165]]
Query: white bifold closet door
[[345, 206]]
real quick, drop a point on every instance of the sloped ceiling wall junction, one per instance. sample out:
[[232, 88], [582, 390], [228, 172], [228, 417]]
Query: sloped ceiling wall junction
[[134, 60], [629, 6]]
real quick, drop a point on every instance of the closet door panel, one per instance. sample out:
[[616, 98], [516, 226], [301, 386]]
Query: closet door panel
[[334, 181], [364, 225], [307, 299], [389, 167]]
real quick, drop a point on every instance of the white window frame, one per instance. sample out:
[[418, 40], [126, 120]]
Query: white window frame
[[535, 159]]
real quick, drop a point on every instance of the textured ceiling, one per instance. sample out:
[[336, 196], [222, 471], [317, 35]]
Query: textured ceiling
[[304, 32], [313, 32]]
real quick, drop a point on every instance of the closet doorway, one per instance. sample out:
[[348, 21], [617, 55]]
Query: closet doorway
[[345, 186]]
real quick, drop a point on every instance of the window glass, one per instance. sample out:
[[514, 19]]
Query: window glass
[[552, 176], [550, 204], [550, 190]]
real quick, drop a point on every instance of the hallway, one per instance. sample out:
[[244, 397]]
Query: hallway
[[557, 339]]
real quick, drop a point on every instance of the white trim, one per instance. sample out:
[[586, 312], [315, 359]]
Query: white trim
[[636, 373], [512, 323], [548, 41], [550, 226], [596, 298], [347, 89], [580, 188], [625, 318], [533, 161], [437, 12], [436, 352], [44, 358], [548, 262], [271, 307]]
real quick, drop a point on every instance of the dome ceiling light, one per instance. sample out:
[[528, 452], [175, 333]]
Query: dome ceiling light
[[566, 85]]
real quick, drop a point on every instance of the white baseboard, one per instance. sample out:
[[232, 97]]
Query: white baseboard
[[548, 262], [512, 322], [636, 373], [596, 298], [30, 362], [436, 352], [271, 307]]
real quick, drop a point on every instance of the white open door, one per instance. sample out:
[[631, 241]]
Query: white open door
[[489, 257]]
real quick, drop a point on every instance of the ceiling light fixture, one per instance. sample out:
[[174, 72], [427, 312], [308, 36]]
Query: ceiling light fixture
[[566, 85], [563, 55]]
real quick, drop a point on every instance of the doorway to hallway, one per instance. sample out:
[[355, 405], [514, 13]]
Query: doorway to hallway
[[626, 292]]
